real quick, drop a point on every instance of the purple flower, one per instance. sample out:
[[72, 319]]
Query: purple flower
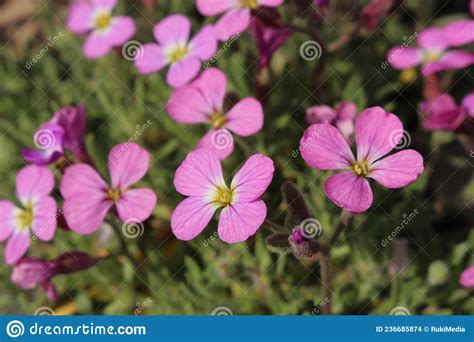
[[65, 131], [342, 117], [467, 277]]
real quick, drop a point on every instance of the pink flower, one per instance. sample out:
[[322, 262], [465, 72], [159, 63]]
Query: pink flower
[[37, 212], [200, 177], [88, 198], [442, 113], [237, 14], [433, 52], [203, 102], [342, 117], [104, 31], [175, 49], [467, 277], [460, 32], [376, 133]]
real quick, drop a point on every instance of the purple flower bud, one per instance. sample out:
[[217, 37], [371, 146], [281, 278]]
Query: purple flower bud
[[297, 236], [321, 3]]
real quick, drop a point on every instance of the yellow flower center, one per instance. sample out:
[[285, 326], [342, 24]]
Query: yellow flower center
[[361, 169], [431, 57], [102, 20], [223, 196], [407, 75], [217, 119], [252, 4], [25, 217], [114, 194], [178, 53]]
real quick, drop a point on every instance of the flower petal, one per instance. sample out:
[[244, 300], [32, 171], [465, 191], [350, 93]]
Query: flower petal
[[96, 45], [213, 7], [377, 133], [198, 174], [239, 221], [85, 212], [81, 178], [232, 23], [270, 3], [190, 217], [454, 59], [213, 85], [17, 245], [173, 29], [460, 32], [45, 221], [433, 39], [151, 59], [183, 72], [204, 44], [397, 170], [128, 163], [80, 17], [122, 29], [73, 122], [33, 183], [346, 110], [468, 105], [253, 178], [219, 141], [7, 224], [320, 114], [349, 191], [188, 105], [467, 277], [441, 113], [323, 147], [136, 205], [246, 117], [403, 58]]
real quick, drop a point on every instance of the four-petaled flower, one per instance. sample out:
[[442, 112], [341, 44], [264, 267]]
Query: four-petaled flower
[[202, 101], [175, 49], [200, 177], [237, 14], [37, 213], [105, 31], [88, 198], [376, 133]]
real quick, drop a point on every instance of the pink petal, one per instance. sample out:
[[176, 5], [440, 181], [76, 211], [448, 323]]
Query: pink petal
[[346, 110], [173, 29], [460, 32], [204, 44], [198, 174], [441, 112], [45, 222], [33, 183], [190, 217], [219, 141], [324, 148], [122, 30], [253, 178], [433, 39], [467, 277], [403, 58], [239, 221], [320, 114], [232, 23], [80, 17], [246, 117], [377, 133], [349, 191], [457, 59], [468, 105], [81, 178], [109, 4], [96, 45], [151, 59], [397, 170], [7, 224], [188, 105], [128, 163], [17, 245], [270, 3], [213, 85], [346, 127], [85, 211], [183, 72], [213, 7], [136, 205]]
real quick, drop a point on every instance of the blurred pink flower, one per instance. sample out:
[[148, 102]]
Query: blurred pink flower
[[200, 177], [442, 113], [202, 101], [38, 212], [94, 17], [88, 198], [237, 14], [459, 32], [342, 117], [433, 52], [175, 49], [321, 3], [65, 131], [467, 277], [31, 272], [376, 133]]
